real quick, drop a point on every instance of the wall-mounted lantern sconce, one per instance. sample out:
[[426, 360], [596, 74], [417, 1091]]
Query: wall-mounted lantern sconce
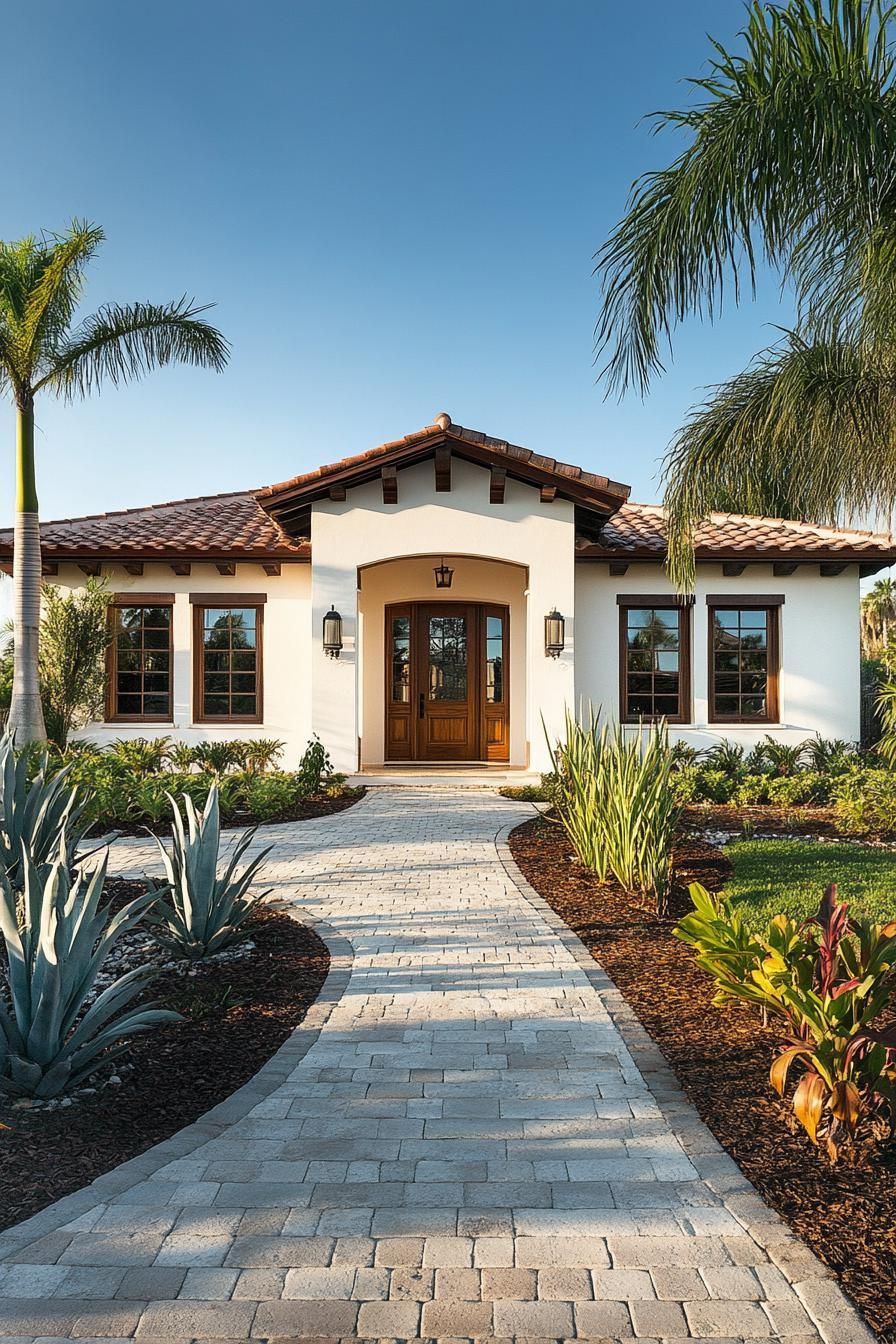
[[332, 633], [554, 636], [444, 574]]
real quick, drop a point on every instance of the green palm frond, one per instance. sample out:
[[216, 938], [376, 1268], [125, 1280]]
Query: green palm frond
[[791, 156], [56, 284], [812, 424], [122, 342]]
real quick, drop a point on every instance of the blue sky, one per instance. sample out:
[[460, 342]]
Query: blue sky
[[394, 205]]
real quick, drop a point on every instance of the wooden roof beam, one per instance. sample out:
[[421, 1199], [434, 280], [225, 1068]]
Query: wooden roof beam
[[443, 469], [389, 476], [783, 568], [497, 483]]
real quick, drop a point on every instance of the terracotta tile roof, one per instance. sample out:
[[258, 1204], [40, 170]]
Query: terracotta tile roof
[[444, 430], [210, 525], [639, 530]]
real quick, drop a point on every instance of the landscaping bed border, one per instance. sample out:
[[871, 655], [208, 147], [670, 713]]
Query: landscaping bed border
[[836, 1317], [215, 1121]]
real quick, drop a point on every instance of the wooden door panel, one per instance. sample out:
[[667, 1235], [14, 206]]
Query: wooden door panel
[[447, 690]]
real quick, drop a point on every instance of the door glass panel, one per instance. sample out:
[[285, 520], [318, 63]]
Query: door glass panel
[[494, 660], [447, 658], [401, 659]]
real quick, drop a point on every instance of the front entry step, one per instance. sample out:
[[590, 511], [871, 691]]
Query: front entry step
[[442, 776]]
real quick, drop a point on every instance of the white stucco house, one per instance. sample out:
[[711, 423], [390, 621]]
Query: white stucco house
[[438, 598]]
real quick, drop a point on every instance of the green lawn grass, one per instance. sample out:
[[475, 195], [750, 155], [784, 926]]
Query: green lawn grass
[[774, 877]]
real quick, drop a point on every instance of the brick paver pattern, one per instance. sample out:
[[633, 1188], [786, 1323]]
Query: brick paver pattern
[[467, 1151]]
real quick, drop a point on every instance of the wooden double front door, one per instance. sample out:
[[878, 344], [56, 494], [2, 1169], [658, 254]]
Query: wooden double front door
[[447, 692]]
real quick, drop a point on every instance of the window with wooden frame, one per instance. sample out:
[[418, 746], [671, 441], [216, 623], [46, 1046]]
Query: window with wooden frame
[[227, 657], [140, 659], [654, 658], [744, 658]]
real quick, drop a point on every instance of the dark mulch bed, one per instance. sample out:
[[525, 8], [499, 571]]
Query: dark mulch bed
[[237, 1014], [765, 820], [846, 1214], [319, 806]]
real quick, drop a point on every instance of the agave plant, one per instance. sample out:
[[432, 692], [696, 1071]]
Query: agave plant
[[56, 943], [826, 981], [200, 913], [36, 812]]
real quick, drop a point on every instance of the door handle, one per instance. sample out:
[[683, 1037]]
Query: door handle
[[421, 703]]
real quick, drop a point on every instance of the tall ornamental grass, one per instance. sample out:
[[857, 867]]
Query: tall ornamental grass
[[617, 804]]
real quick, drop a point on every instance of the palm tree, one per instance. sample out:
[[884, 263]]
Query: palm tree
[[791, 159], [878, 613], [44, 348]]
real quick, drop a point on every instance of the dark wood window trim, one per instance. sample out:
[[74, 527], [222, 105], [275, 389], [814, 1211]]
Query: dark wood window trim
[[228, 599], [142, 600], [117, 602], [734, 600], [662, 600], [771, 605], [657, 603], [225, 600]]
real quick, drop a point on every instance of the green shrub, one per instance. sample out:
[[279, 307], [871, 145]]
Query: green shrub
[[57, 939], [752, 791], [809, 786], [262, 754], [716, 786], [143, 756], [686, 784], [865, 800], [727, 757], [219, 757], [272, 797], [617, 803], [182, 757], [199, 913], [826, 982], [315, 763]]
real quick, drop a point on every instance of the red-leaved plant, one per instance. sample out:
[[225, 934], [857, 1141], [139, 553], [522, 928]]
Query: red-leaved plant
[[828, 980]]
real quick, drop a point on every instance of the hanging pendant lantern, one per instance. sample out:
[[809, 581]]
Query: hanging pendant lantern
[[444, 575]]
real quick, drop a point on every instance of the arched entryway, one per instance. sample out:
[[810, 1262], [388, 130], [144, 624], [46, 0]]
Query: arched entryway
[[443, 671]]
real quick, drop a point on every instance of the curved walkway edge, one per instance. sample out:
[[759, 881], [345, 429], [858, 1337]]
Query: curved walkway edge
[[470, 1136]]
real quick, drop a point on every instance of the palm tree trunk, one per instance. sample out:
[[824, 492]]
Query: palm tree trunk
[[26, 717]]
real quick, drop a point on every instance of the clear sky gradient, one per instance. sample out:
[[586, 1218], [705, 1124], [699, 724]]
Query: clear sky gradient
[[393, 204]]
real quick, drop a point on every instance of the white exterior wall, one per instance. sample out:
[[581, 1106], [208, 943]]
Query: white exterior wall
[[819, 647], [363, 531], [287, 634]]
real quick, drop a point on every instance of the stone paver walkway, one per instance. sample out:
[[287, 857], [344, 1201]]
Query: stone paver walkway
[[458, 1144]]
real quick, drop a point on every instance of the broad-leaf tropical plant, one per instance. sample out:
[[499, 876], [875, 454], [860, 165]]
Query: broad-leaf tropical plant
[[827, 983], [789, 160], [47, 349]]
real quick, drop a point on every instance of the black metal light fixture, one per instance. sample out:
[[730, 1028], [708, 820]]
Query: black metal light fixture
[[332, 640], [554, 634], [444, 574]]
